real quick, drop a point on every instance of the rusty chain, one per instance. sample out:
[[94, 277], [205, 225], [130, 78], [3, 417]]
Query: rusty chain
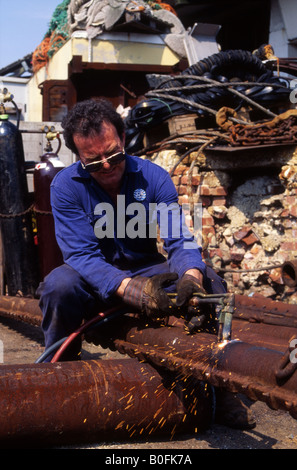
[[284, 132], [31, 208]]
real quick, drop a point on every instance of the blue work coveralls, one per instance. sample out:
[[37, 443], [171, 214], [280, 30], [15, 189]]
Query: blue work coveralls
[[95, 265]]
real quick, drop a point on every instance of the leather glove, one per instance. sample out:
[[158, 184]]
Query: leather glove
[[147, 295], [186, 287]]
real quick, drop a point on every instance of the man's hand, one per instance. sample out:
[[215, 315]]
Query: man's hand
[[191, 282], [147, 295]]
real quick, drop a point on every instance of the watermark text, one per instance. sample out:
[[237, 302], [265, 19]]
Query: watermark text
[[137, 220]]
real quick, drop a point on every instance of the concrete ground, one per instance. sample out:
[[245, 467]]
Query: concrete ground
[[23, 344]]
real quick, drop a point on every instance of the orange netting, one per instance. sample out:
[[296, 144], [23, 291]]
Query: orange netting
[[39, 56], [58, 34], [45, 50], [166, 6]]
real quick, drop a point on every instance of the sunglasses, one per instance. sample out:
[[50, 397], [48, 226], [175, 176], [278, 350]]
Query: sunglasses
[[98, 165]]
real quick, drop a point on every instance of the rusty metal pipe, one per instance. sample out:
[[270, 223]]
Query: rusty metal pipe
[[289, 273], [254, 309], [89, 401], [21, 308], [258, 372], [264, 335], [263, 310]]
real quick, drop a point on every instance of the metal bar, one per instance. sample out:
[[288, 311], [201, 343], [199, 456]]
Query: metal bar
[[89, 401]]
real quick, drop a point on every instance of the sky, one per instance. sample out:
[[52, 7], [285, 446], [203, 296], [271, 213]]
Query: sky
[[23, 24]]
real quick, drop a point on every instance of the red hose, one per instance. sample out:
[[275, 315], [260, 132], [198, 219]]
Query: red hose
[[80, 330]]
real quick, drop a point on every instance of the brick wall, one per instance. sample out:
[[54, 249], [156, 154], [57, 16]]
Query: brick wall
[[249, 215]]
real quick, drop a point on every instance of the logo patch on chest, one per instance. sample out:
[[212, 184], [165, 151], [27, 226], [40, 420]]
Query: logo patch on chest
[[139, 194]]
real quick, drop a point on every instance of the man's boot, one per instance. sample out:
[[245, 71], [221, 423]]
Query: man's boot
[[232, 412]]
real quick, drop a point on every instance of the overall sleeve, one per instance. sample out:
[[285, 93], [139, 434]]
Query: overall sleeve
[[78, 243], [183, 250]]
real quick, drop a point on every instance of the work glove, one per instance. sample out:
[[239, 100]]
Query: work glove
[[147, 295], [188, 305]]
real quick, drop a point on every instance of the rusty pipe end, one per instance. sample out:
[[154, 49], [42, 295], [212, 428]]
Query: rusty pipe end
[[289, 273]]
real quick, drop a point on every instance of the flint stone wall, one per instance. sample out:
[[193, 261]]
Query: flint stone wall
[[249, 213]]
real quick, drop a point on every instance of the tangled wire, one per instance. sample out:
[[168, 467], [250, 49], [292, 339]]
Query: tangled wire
[[226, 79]]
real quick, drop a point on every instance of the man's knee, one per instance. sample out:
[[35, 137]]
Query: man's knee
[[59, 284]]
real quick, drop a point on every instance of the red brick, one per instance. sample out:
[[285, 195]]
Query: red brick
[[218, 191], [204, 190], [293, 211], [182, 190], [289, 199], [288, 246], [250, 239], [196, 180], [219, 201], [285, 213], [208, 230], [207, 220], [209, 191], [184, 179], [180, 170], [243, 232]]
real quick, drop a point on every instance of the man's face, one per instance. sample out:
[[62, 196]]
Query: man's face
[[98, 147]]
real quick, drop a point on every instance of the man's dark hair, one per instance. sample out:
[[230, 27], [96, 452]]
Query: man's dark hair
[[86, 117]]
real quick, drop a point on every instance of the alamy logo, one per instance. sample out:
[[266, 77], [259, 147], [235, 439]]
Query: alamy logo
[[139, 221], [293, 351], [293, 94]]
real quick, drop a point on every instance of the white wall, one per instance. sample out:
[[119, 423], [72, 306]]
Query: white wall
[[283, 28], [18, 88]]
